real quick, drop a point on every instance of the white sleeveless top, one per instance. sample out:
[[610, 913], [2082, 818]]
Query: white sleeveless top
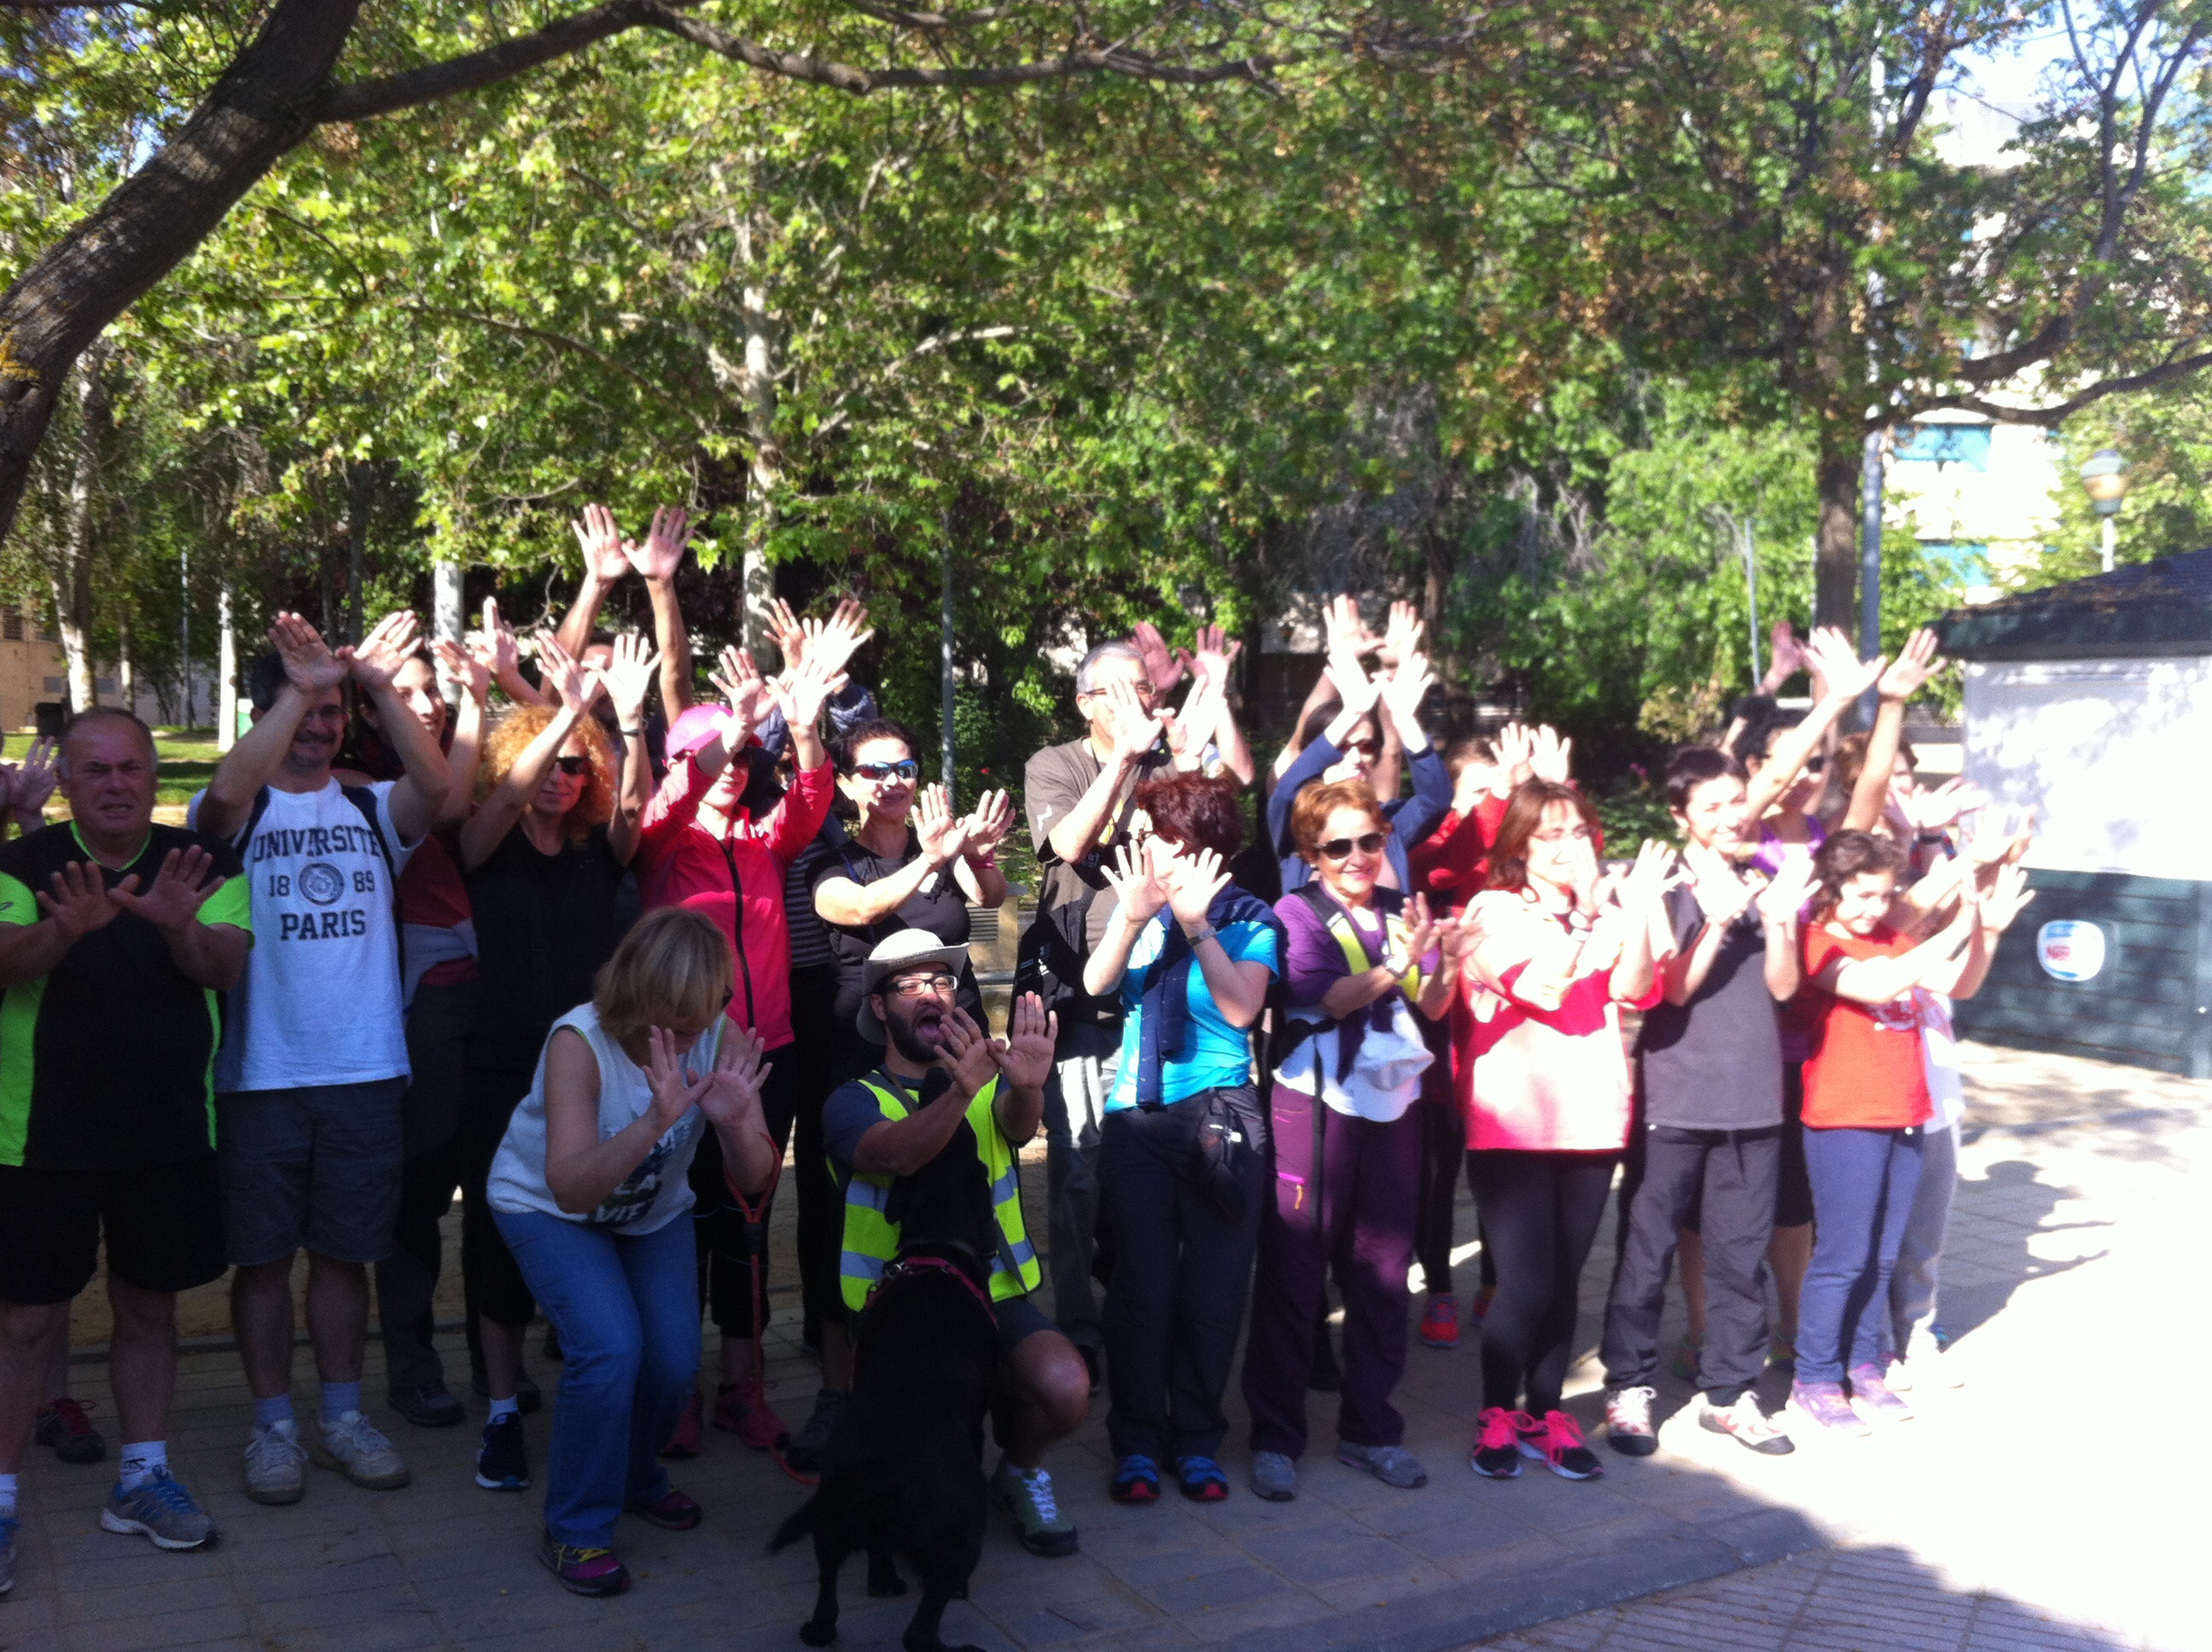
[[651, 1196]]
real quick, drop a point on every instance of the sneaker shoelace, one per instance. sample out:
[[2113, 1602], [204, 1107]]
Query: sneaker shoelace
[[274, 1441], [1502, 1428], [74, 1415], [1562, 1434], [1038, 1485], [162, 1487]]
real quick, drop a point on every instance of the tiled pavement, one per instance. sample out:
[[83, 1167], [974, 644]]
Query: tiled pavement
[[2043, 1505]]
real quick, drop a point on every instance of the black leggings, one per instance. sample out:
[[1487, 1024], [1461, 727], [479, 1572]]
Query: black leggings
[[725, 1242], [1540, 1216]]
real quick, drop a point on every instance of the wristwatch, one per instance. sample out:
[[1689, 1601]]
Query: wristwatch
[[1205, 932], [631, 734]]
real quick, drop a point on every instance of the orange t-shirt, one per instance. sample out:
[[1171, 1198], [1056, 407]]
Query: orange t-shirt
[[1866, 1071]]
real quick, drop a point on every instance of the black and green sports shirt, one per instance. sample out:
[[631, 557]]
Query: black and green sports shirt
[[108, 1062]]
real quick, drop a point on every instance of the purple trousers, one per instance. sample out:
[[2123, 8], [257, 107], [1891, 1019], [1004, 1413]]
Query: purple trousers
[[1368, 1195]]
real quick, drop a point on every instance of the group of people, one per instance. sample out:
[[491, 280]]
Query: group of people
[[604, 971]]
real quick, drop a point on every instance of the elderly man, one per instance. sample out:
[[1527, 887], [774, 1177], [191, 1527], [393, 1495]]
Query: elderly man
[[108, 924]]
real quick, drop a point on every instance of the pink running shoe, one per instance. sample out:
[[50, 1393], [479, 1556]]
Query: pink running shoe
[[1478, 1310], [1496, 1453], [1874, 1399], [684, 1439], [741, 1408], [1557, 1442], [1823, 1404], [1440, 1321]]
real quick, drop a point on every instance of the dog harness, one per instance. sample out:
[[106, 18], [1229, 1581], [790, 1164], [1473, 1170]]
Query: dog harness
[[872, 1238]]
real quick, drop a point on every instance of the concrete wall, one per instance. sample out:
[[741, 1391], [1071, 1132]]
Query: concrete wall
[[2111, 753]]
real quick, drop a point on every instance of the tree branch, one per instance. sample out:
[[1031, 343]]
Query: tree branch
[[2049, 418]]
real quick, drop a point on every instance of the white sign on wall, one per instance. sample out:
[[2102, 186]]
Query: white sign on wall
[[2070, 949], [2106, 753]]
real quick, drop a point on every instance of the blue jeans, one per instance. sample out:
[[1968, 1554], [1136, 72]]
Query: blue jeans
[[1864, 1182], [627, 1308]]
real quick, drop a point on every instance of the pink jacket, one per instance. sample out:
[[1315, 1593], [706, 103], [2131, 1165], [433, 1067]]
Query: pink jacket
[[680, 863]]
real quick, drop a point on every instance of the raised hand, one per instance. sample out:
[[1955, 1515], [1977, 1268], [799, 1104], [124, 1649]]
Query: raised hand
[[1215, 653], [1839, 675], [1408, 685], [1164, 668], [799, 695], [1188, 729], [943, 837], [495, 646], [1193, 882], [309, 665], [1784, 898], [1136, 883], [742, 687], [662, 553], [31, 782], [1648, 879], [1401, 636], [969, 1053], [1786, 653], [1516, 745], [1025, 1058], [674, 1091], [628, 676], [1136, 729], [988, 826], [79, 902], [1358, 690], [576, 686], [1458, 940], [174, 898], [1551, 757], [786, 630], [465, 671], [732, 1097], [1915, 663], [1933, 811], [1411, 936], [1722, 894], [1343, 632], [832, 643], [2006, 898], [601, 542], [377, 657]]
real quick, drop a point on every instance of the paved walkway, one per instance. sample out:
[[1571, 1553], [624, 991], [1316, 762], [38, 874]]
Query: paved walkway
[[2043, 1504]]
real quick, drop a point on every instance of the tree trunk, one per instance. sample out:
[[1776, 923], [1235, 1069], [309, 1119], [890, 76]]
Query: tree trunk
[[1836, 554], [126, 676], [757, 386], [226, 672], [71, 577], [154, 219]]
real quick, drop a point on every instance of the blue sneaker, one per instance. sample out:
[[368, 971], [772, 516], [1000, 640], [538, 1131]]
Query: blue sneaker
[[162, 1511], [8, 1525], [502, 1464]]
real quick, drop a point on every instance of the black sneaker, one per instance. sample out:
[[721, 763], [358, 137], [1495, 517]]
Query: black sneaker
[[427, 1405], [502, 1465], [804, 1453]]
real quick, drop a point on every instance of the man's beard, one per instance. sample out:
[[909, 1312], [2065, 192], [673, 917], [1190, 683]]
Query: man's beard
[[908, 1041]]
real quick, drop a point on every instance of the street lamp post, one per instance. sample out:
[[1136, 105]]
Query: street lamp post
[[2104, 479]]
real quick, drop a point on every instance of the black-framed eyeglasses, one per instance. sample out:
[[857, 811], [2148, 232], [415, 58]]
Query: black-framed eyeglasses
[[1340, 848], [920, 985], [576, 768], [905, 768]]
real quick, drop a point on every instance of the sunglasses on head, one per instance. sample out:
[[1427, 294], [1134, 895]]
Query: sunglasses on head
[[1340, 848], [905, 768], [573, 766]]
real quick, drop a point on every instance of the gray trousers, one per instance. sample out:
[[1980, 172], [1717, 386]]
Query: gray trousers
[[1912, 1286], [1085, 1063]]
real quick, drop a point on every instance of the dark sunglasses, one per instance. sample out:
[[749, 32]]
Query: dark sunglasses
[[1366, 747], [906, 769], [1340, 848], [576, 766]]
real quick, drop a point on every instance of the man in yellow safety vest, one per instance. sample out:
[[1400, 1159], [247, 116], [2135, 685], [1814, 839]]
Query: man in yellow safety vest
[[946, 1086]]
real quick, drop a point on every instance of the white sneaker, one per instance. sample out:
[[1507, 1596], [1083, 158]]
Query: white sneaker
[[356, 1448], [274, 1459], [1747, 1424]]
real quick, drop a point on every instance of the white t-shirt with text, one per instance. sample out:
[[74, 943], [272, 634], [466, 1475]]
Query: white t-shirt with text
[[319, 1003]]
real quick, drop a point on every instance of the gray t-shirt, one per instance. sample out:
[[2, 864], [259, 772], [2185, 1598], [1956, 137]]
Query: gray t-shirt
[[1052, 783], [1714, 1063]]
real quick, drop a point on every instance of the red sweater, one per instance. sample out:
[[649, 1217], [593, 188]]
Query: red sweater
[[1449, 864], [680, 863]]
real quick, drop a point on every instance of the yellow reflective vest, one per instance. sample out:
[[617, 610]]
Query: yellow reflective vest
[[871, 1239]]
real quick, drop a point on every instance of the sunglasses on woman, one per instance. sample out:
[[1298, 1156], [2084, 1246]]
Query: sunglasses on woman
[[1366, 747], [574, 766], [1340, 848], [905, 768]]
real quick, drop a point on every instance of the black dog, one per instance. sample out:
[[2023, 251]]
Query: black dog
[[903, 1472]]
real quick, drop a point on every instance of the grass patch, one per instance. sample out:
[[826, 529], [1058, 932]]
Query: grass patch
[[188, 759]]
